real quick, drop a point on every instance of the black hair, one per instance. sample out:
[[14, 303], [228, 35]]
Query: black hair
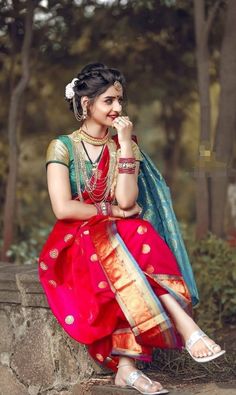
[[93, 80]]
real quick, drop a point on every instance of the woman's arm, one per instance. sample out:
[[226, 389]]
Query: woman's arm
[[126, 191], [60, 195], [62, 204]]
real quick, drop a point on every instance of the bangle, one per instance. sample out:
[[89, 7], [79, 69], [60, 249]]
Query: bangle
[[127, 160], [103, 208], [126, 165], [126, 171]]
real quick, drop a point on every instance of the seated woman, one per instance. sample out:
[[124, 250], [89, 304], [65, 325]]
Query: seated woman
[[114, 268]]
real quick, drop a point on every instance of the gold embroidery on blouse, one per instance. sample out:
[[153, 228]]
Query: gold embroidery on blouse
[[58, 152]]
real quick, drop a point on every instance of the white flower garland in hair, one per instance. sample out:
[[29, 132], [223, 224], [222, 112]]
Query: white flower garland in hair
[[69, 91]]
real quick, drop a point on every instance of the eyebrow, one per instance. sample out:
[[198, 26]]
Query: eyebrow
[[113, 97]]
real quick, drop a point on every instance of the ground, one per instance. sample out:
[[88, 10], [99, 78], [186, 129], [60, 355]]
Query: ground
[[181, 375]]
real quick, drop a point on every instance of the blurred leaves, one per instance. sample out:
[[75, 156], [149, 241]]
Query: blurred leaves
[[214, 265]]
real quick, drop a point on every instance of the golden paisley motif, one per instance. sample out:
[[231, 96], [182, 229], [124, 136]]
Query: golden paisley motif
[[150, 269], [102, 284], [142, 229], [94, 258], [146, 248], [68, 237], [53, 283], [69, 319], [53, 253], [43, 266]]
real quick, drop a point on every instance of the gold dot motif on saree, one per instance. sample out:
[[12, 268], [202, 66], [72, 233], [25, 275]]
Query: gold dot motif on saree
[[69, 319], [54, 253], [146, 248], [150, 269], [53, 283], [94, 258], [100, 357], [86, 232], [43, 266], [102, 284], [141, 229], [68, 237]]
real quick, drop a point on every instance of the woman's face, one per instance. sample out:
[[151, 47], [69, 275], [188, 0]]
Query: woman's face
[[107, 106]]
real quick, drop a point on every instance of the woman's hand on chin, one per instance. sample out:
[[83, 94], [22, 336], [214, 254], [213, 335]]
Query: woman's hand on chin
[[124, 128]]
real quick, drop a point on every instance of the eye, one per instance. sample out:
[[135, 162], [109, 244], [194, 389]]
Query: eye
[[121, 100], [108, 101]]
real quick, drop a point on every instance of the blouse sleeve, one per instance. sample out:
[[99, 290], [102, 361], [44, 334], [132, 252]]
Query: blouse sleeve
[[57, 152], [136, 151]]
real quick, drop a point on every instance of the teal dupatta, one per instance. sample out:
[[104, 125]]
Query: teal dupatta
[[155, 199]]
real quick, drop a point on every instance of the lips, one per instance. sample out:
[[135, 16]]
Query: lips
[[113, 116]]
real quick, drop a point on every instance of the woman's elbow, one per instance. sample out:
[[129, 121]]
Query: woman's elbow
[[59, 213], [127, 202]]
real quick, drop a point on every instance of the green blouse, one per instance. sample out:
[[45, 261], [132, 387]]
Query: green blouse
[[60, 150]]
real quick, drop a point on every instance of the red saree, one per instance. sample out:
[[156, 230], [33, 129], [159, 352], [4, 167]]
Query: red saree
[[103, 279]]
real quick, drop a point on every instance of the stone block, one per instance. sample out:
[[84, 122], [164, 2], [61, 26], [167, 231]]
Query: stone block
[[32, 293], [32, 358], [10, 384], [6, 331]]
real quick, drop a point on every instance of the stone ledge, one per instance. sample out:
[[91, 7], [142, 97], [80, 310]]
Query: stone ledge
[[19, 284]]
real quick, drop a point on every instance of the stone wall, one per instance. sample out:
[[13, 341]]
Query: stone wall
[[36, 355]]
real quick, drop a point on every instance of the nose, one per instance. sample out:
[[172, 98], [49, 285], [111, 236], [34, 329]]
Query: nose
[[117, 106]]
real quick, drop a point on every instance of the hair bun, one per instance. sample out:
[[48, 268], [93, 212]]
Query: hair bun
[[93, 67]]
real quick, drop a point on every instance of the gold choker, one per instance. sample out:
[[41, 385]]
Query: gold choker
[[90, 139]]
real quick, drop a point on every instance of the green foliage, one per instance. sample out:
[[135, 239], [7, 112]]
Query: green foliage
[[26, 251], [214, 265]]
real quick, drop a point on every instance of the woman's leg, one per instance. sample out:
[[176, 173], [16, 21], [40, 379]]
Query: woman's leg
[[127, 366], [185, 325]]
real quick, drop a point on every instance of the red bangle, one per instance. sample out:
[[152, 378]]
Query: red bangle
[[127, 160], [126, 171]]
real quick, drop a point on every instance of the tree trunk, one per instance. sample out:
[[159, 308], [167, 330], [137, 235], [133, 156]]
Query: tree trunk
[[10, 201], [225, 131], [202, 28], [173, 131]]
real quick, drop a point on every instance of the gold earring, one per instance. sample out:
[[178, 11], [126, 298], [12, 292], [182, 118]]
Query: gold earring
[[85, 113]]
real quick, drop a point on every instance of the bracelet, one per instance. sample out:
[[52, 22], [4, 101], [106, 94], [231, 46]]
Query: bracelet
[[127, 160], [103, 208], [126, 171], [126, 165]]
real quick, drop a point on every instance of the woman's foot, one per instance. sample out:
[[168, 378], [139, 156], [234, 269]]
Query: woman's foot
[[186, 326], [202, 348], [141, 383]]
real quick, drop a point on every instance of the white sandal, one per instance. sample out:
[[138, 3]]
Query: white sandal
[[133, 376], [197, 335]]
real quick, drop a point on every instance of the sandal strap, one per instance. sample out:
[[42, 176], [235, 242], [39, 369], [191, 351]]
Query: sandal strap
[[195, 336], [132, 377]]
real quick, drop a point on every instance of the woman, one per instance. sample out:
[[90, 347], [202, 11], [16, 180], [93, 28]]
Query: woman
[[116, 275]]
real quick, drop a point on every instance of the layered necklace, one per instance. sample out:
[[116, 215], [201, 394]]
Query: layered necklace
[[97, 186]]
